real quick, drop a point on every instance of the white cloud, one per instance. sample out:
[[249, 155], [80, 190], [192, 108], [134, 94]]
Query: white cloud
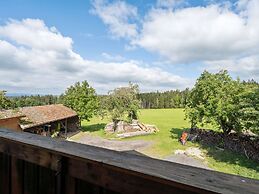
[[192, 34], [242, 4], [222, 34], [38, 59], [245, 68], [117, 16], [110, 57], [169, 3], [34, 33], [135, 72]]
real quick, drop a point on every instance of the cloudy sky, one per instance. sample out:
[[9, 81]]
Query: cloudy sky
[[48, 45]]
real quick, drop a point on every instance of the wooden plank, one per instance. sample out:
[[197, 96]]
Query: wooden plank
[[31, 178], [70, 185], [106, 191], [30, 153], [1, 173], [66, 128], [119, 180], [6, 181], [132, 134], [60, 176], [103, 164], [2, 167], [83, 187], [17, 176], [47, 181]]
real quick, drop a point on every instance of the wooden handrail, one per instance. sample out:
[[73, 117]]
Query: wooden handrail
[[111, 170]]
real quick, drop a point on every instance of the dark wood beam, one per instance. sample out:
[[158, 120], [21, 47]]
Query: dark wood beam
[[117, 171]]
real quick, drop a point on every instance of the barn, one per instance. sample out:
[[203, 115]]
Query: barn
[[43, 120], [10, 119]]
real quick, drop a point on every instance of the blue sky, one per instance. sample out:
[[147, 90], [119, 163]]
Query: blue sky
[[46, 46], [73, 19]]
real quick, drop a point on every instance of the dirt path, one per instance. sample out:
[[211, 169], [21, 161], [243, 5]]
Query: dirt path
[[117, 145], [186, 160], [190, 156], [137, 147]]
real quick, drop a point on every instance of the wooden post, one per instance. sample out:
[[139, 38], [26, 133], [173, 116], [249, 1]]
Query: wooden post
[[60, 176], [66, 128], [16, 175]]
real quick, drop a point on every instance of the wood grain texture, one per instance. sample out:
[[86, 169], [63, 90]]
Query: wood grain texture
[[99, 170], [31, 178], [17, 175], [5, 173], [47, 181]]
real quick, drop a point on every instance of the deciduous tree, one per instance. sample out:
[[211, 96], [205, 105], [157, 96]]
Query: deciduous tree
[[215, 99], [82, 98], [249, 108], [123, 101], [5, 103]]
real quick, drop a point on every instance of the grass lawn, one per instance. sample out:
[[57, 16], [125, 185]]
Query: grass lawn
[[171, 123]]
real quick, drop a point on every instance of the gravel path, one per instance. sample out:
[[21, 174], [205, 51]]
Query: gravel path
[[136, 147], [117, 145], [192, 156], [186, 160]]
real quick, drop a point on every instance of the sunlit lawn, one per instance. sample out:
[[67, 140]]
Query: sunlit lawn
[[171, 122]]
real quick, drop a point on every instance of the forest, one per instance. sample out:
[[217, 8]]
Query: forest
[[155, 100], [32, 100]]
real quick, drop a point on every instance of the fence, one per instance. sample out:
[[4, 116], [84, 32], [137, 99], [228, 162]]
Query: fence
[[33, 164]]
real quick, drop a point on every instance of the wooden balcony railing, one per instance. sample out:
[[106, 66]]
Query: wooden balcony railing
[[33, 164]]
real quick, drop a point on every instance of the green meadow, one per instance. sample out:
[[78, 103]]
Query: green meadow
[[171, 122]]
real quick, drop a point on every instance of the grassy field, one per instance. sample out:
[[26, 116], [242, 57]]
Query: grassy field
[[171, 122]]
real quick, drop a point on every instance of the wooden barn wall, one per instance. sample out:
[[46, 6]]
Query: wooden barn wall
[[11, 123]]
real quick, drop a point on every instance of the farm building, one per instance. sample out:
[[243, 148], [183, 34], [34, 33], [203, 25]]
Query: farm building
[[43, 120], [10, 119]]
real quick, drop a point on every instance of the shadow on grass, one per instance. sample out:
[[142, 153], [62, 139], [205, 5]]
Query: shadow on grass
[[94, 127], [225, 156], [230, 157]]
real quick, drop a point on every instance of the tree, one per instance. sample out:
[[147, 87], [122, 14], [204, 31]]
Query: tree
[[33, 100], [123, 101], [167, 99], [82, 98], [215, 99], [5, 103], [249, 108]]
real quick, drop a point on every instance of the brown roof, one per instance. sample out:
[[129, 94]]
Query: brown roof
[[40, 115], [6, 114]]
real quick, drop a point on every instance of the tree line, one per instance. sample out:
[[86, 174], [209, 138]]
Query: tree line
[[167, 99], [33, 100], [151, 100], [216, 99]]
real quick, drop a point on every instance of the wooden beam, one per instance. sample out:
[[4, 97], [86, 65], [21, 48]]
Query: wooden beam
[[66, 128], [62, 124], [29, 153], [120, 172]]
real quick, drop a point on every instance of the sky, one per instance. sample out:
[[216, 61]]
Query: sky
[[46, 46]]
